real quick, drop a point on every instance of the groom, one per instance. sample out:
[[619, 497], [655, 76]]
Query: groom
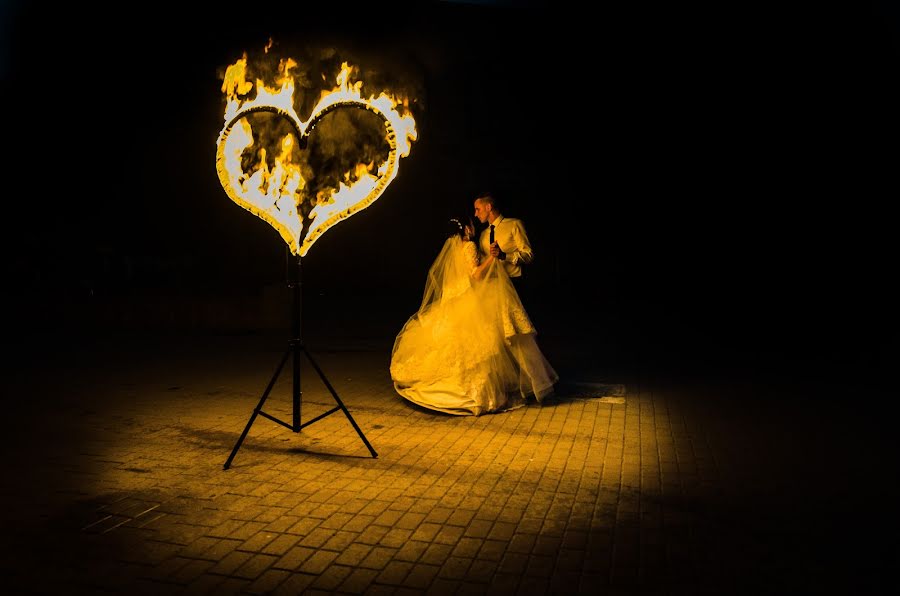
[[503, 237]]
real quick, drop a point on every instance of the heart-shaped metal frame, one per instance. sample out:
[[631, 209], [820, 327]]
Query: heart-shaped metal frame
[[229, 168]]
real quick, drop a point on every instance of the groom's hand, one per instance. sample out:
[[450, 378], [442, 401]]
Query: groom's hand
[[496, 252]]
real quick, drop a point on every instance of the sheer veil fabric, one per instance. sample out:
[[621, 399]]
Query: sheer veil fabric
[[470, 348]]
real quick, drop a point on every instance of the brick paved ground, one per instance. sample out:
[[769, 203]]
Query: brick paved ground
[[114, 482]]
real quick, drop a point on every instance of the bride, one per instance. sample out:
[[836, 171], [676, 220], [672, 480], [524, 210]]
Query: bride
[[470, 348]]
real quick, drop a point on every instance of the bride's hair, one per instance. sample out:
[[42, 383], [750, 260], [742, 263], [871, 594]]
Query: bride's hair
[[456, 226]]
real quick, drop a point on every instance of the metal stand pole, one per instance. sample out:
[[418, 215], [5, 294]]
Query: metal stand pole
[[295, 348]]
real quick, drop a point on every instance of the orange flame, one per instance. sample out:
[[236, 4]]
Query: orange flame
[[275, 194]]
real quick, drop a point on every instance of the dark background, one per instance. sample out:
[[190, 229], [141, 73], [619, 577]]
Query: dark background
[[689, 175]]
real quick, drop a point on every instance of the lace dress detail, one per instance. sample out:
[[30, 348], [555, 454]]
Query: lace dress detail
[[471, 254], [515, 320]]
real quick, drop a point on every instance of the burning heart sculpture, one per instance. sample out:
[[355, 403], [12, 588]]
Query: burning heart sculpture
[[277, 194]]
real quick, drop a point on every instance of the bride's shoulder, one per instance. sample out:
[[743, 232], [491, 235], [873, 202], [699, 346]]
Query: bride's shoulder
[[470, 251]]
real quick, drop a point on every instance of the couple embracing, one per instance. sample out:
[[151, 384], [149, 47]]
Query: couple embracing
[[470, 349]]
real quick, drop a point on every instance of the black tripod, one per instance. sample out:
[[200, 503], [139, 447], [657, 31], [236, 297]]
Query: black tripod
[[295, 347]]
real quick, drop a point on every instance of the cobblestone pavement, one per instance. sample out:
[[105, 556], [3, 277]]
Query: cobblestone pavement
[[115, 483]]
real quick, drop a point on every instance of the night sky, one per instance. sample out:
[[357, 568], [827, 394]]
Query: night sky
[[722, 170]]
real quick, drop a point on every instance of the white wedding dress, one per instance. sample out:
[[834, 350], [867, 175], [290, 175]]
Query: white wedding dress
[[470, 348]]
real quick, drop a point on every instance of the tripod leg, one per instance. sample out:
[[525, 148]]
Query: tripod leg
[[258, 408], [340, 403]]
